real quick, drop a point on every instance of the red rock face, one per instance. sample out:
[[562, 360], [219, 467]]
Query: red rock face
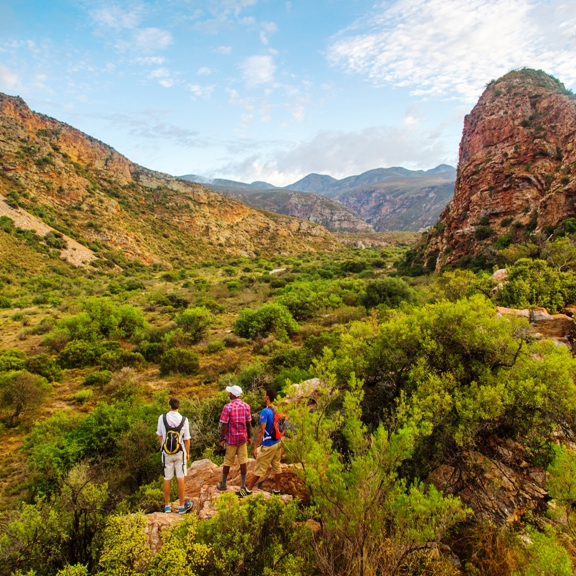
[[517, 167]]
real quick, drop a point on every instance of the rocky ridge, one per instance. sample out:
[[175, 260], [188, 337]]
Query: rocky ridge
[[516, 171], [88, 191]]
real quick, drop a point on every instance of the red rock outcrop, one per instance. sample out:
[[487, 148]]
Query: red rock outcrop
[[517, 168]]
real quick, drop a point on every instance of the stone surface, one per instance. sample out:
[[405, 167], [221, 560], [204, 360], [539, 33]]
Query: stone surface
[[499, 485], [551, 325], [502, 311], [157, 523], [515, 169]]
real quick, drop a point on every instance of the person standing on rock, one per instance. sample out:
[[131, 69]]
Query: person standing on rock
[[270, 441], [235, 434], [174, 436]]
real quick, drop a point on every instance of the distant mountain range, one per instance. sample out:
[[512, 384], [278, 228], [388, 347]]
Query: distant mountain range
[[384, 199]]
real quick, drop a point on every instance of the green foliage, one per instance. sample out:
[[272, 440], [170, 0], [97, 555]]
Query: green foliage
[[117, 359], [388, 292], [256, 538], [269, 319], [456, 284], [545, 555], [179, 361], [5, 302], [12, 359], [22, 393], [533, 283], [483, 232], [80, 354], [82, 396], [98, 378], [76, 570], [215, 346], [195, 322], [44, 365]]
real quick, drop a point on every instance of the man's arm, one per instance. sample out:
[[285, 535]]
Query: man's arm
[[259, 437], [249, 431], [160, 440], [223, 432], [187, 444]]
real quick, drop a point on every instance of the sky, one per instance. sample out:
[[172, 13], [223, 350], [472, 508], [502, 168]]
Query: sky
[[270, 89]]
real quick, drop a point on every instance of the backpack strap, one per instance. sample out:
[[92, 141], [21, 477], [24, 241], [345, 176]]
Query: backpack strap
[[176, 428]]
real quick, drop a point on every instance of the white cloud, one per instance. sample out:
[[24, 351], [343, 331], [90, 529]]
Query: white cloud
[[258, 70], [452, 48], [8, 78], [152, 39], [163, 76], [151, 60], [201, 91], [341, 154], [116, 17], [223, 49], [267, 29], [204, 71]]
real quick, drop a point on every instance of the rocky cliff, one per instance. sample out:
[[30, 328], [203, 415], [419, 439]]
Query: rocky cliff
[[86, 190], [516, 172]]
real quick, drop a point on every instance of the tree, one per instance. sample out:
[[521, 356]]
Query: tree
[[22, 392], [269, 319], [179, 361], [389, 292], [194, 322]]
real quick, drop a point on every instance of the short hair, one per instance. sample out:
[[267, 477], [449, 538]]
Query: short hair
[[271, 395], [174, 403]]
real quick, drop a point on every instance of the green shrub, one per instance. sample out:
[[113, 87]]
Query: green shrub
[[117, 359], [195, 322], [152, 351], [215, 346], [269, 319], [179, 361], [483, 232], [546, 555], [12, 359], [98, 378], [44, 365], [22, 393], [82, 396], [389, 292], [211, 304], [80, 354], [5, 302]]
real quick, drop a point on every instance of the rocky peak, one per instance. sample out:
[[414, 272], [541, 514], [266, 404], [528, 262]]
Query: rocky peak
[[516, 171]]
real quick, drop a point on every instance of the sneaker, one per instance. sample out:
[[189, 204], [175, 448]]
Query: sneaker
[[244, 492], [220, 487], [181, 510], [276, 492], [188, 505], [167, 509]]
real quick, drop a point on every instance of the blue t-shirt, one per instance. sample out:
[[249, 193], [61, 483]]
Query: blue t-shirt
[[267, 415]]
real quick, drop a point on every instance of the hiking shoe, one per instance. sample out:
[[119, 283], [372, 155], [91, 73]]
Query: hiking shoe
[[167, 509], [220, 487], [244, 492], [276, 492], [188, 505], [181, 509]]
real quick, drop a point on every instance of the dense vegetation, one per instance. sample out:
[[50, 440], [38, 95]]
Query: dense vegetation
[[416, 372]]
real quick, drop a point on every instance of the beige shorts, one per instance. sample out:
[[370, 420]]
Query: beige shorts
[[268, 456], [174, 464], [232, 451]]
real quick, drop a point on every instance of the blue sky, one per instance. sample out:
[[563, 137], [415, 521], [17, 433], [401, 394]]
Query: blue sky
[[273, 90]]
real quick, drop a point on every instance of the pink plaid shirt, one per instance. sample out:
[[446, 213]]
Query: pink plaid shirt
[[236, 414]]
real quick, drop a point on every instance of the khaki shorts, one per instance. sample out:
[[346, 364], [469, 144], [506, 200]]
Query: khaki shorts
[[268, 456], [232, 451], [174, 463]]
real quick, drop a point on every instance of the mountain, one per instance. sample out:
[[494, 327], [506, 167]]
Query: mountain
[[516, 172], [57, 180], [384, 199]]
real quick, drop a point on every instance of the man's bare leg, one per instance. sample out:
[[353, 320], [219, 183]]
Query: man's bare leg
[[167, 492]]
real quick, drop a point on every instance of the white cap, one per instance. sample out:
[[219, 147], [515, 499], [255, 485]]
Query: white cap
[[234, 390]]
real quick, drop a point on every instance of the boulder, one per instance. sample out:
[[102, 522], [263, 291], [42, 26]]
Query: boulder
[[570, 310], [502, 311], [500, 276], [157, 523], [551, 325], [499, 486]]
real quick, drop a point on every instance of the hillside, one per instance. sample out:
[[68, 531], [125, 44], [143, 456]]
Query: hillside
[[58, 177], [313, 207], [516, 173]]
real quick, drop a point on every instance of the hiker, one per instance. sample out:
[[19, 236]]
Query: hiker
[[270, 440], [174, 436], [235, 435]]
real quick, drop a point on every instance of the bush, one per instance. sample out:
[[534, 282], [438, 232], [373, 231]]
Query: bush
[[268, 319], [194, 322], [117, 359], [389, 292], [211, 304], [22, 392], [5, 302], [215, 346], [80, 354], [179, 361], [98, 378], [82, 396], [12, 359], [44, 365], [152, 351]]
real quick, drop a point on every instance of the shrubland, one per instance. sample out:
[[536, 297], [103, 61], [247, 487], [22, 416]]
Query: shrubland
[[416, 372]]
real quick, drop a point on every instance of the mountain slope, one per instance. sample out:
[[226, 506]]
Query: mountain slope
[[88, 191], [517, 168]]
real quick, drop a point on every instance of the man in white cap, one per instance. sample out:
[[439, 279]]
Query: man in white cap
[[235, 434]]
